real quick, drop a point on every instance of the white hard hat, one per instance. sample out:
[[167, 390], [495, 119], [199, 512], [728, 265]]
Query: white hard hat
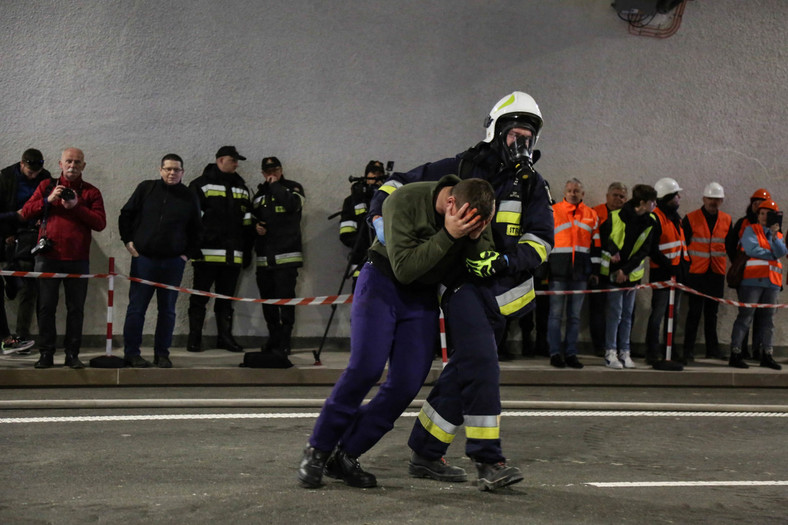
[[714, 190], [666, 186], [515, 107]]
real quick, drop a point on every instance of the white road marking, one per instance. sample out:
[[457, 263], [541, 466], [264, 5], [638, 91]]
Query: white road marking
[[312, 415], [626, 484]]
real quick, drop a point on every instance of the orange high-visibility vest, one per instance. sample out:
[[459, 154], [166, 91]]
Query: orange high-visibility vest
[[576, 230], [602, 211], [764, 268], [708, 248], [671, 242]]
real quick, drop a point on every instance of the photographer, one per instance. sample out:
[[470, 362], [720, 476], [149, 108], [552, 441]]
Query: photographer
[[353, 231], [18, 182], [69, 209], [763, 243]]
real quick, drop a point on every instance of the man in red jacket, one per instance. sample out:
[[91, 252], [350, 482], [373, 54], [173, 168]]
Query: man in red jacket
[[69, 209]]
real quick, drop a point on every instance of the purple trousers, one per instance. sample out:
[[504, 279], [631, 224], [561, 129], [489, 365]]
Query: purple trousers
[[391, 323]]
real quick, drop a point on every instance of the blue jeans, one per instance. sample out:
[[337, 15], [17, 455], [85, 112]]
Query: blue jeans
[[573, 304], [764, 321], [165, 271], [618, 322]]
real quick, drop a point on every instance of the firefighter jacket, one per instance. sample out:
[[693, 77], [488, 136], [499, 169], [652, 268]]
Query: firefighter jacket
[[353, 228], [576, 253], [668, 249], [226, 207], [706, 244], [418, 248], [278, 205], [522, 228], [628, 234], [764, 249]]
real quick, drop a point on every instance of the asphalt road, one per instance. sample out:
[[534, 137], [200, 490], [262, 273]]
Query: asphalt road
[[238, 465]]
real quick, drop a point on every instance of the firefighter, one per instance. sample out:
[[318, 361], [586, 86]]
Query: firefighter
[[467, 391]]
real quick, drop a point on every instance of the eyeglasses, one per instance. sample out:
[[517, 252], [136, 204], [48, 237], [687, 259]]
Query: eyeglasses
[[35, 163], [172, 170]]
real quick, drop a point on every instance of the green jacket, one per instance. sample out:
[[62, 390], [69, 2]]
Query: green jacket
[[418, 248]]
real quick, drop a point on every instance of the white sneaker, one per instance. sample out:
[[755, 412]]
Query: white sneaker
[[626, 359], [611, 360]]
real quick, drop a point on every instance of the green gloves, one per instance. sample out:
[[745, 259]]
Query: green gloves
[[488, 264]]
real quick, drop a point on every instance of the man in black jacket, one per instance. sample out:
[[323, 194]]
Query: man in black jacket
[[160, 227], [277, 209], [17, 184], [226, 245]]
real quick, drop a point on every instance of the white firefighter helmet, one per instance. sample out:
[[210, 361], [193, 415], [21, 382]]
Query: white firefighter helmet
[[516, 107], [714, 190], [666, 186]]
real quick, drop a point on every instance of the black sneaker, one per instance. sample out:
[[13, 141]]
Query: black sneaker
[[557, 361], [494, 476], [73, 362], [345, 467], [310, 471], [437, 469], [767, 360], [136, 361], [573, 362], [162, 361]]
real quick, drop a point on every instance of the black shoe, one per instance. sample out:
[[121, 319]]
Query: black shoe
[[737, 360], [226, 342], [310, 471], [437, 469], [494, 476], [73, 362], [767, 360], [136, 361], [557, 361], [162, 361], [45, 361], [344, 467], [573, 362]]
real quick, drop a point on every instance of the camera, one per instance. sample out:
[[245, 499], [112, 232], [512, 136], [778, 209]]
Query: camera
[[67, 194], [43, 245], [774, 217]]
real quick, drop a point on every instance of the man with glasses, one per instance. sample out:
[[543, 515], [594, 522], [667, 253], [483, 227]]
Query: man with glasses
[[160, 227], [17, 184]]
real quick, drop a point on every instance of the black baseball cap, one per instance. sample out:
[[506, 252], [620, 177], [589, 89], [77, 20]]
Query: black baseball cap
[[229, 151], [270, 163], [33, 158]]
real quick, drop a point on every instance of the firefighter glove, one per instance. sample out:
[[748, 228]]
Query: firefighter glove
[[488, 264]]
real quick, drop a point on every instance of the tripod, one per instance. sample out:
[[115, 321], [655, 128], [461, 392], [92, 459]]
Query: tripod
[[363, 238]]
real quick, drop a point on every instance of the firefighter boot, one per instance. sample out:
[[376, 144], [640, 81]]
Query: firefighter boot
[[345, 467], [494, 476], [274, 336], [224, 338], [310, 471], [196, 320]]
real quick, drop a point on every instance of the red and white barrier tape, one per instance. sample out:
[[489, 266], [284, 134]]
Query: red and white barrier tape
[[348, 298]]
